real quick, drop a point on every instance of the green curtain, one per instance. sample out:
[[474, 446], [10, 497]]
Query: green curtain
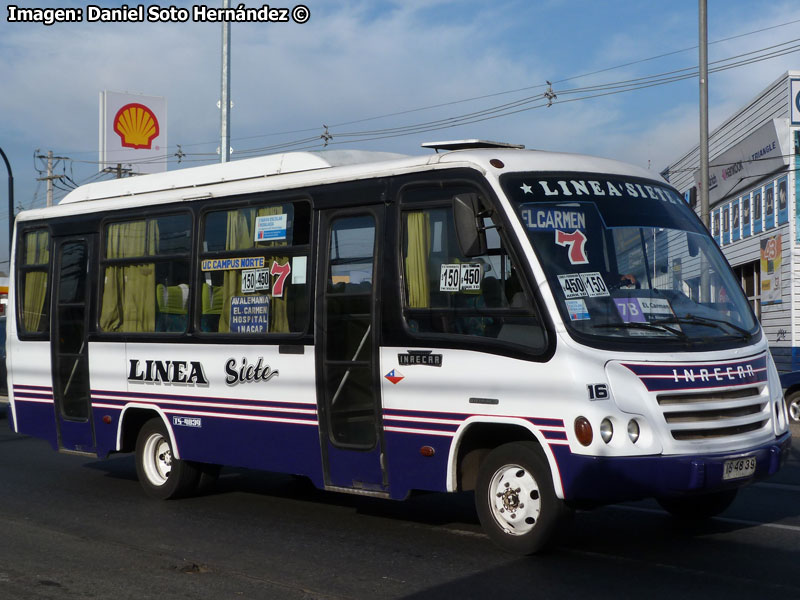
[[129, 291], [37, 252], [416, 260]]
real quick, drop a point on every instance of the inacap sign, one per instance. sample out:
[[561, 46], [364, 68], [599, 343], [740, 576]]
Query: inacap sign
[[753, 206]]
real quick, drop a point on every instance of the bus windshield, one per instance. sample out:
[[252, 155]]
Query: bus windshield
[[629, 263]]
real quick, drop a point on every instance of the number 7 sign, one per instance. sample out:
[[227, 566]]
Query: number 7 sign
[[576, 241]]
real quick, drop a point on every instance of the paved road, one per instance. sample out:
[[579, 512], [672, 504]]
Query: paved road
[[74, 527]]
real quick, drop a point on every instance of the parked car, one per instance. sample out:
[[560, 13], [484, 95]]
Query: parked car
[[791, 383]]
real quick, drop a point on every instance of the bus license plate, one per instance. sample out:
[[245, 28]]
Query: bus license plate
[[739, 467]]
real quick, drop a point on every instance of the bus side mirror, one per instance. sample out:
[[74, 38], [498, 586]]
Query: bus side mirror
[[469, 230]]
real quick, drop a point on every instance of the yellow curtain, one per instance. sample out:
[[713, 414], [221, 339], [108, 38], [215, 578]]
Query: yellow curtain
[[37, 252], [241, 236], [416, 260], [278, 307], [129, 292], [238, 237]]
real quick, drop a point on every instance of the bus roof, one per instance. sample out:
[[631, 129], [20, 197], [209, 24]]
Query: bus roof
[[297, 169]]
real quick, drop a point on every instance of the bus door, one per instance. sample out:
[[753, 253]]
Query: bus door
[[69, 347], [347, 324]]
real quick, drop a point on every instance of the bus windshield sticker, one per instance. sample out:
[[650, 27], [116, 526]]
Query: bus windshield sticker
[[226, 264], [553, 218], [577, 310], [249, 314], [582, 285], [471, 276], [642, 310], [255, 280], [576, 243], [630, 310], [282, 271], [656, 308], [270, 227], [299, 270], [454, 277], [449, 278]]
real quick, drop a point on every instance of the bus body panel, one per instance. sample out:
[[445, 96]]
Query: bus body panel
[[242, 405], [31, 389]]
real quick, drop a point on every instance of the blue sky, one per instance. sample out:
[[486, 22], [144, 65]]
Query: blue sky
[[355, 60]]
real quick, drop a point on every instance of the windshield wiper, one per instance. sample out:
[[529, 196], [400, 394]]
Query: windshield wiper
[[707, 321], [648, 326]]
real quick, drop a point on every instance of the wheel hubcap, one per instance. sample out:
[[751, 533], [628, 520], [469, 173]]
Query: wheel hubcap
[[157, 459], [794, 410], [514, 499]]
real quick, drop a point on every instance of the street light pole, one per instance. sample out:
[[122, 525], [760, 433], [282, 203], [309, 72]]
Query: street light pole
[[10, 205]]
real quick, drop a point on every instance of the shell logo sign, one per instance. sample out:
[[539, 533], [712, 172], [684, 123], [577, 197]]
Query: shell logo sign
[[133, 133], [136, 126]]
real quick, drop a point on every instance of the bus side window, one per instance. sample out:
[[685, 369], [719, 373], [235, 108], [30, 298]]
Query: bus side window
[[253, 269], [448, 293], [146, 275], [33, 304]]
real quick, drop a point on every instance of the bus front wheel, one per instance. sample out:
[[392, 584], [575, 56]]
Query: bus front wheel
[[161, 474], [515, 499]]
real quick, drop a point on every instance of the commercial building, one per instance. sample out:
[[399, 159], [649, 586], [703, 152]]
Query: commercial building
[[753, 193]]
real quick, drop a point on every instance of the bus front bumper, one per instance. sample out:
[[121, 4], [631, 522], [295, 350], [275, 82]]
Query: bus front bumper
[[598, 479]]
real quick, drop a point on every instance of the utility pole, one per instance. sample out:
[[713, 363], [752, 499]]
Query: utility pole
[[10, 205], [50, 177], [704, 112], [224, 101], [705, 287]]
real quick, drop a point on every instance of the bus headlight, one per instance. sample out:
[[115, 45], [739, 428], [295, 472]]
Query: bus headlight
[[633, 430], [606, 430]]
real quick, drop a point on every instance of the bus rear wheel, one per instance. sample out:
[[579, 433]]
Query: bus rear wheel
[[515, 499], [161, 474]]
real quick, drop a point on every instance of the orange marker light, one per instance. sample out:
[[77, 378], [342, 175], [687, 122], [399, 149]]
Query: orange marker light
[[427, 451], [583, 431]]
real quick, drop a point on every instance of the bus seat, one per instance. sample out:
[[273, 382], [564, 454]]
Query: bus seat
[[212, 299], [172, 301]]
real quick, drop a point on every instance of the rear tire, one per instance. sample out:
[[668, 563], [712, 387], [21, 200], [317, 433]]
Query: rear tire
[[161, 474], [515, 499], [698, 508]]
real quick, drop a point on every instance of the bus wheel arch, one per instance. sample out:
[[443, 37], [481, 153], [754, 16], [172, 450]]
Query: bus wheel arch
[[475, 443]]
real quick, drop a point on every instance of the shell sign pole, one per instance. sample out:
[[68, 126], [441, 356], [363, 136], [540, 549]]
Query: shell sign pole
[[133, 133]]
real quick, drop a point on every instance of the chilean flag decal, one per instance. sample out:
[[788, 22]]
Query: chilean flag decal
[[394, 376]]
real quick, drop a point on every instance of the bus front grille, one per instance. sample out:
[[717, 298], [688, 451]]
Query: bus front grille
[[714, 415]]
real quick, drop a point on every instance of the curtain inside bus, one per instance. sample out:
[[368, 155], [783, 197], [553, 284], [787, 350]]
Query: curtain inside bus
[[240, 236], [418, 251], [37, 252], [129, 291]]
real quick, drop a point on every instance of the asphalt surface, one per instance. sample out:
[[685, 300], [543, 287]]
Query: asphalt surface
[[75, 527]]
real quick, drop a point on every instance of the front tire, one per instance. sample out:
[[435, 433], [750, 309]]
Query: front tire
[[161, 474], [515, 499], [698, 508]]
